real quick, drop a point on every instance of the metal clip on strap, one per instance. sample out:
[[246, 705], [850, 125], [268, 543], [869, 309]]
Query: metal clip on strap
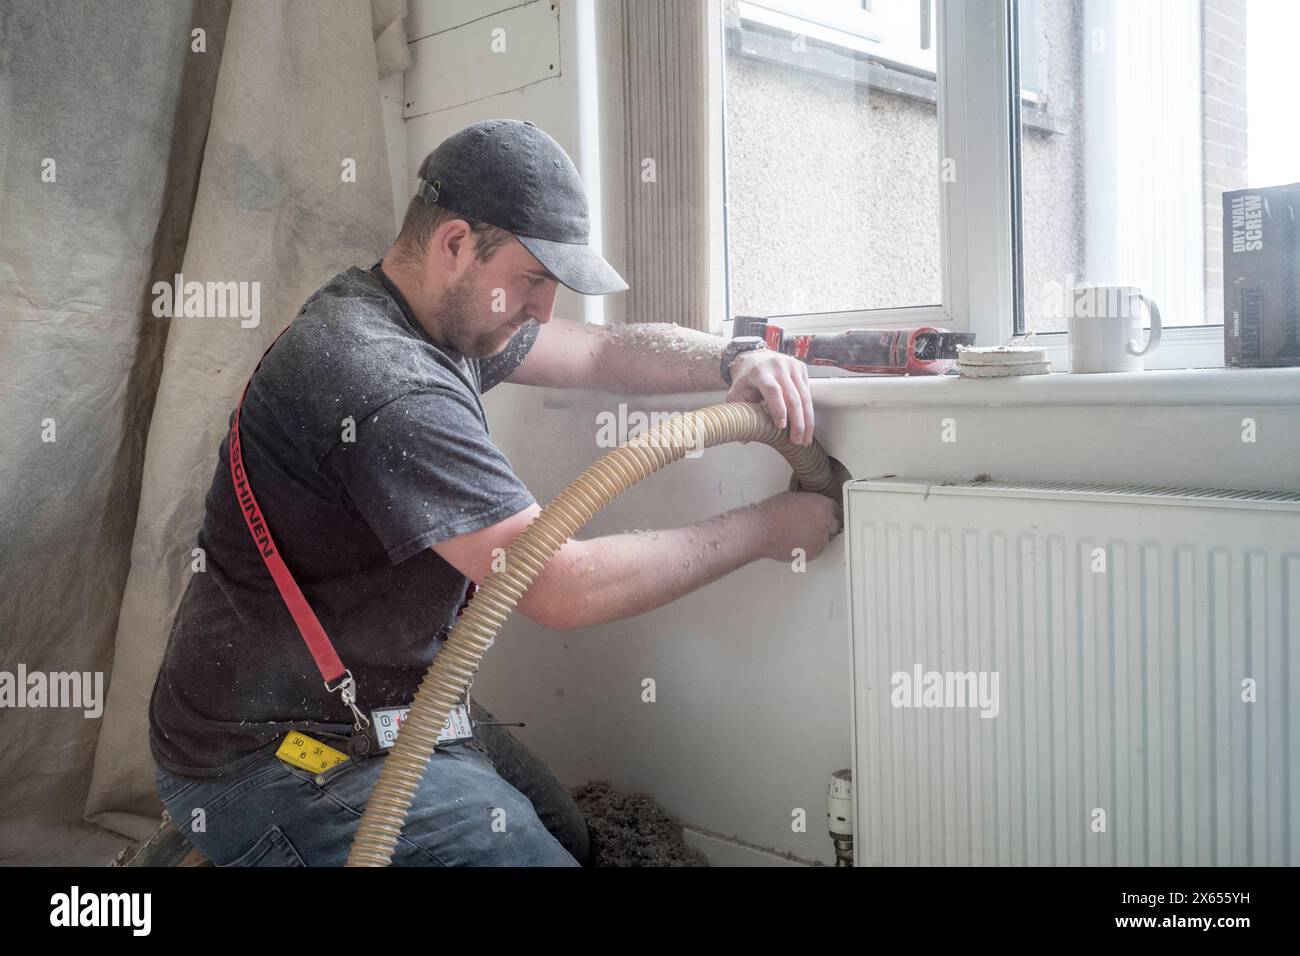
[[347, 688]]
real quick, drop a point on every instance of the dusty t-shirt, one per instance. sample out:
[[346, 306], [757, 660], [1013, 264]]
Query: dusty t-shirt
[[365, 444]]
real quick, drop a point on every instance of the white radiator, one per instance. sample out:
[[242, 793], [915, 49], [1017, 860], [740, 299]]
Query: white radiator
[[1060, 674]]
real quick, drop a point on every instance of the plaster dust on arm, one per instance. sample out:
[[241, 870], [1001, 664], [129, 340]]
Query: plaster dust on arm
[[652, 357]]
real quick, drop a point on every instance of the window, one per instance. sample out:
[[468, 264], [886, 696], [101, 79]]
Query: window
[[1163, 105], [854, 196], [1131, 120], [832, 157]]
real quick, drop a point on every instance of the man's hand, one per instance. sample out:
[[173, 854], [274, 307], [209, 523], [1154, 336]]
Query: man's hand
[[781, 384], [797, 519]]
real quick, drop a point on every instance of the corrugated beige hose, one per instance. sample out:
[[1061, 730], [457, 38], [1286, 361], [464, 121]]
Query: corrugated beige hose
[[455, 664]]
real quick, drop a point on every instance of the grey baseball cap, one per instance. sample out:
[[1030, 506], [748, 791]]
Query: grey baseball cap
[[510, 174]]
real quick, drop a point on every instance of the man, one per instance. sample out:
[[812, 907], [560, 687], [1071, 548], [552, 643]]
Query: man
[[365, 446]]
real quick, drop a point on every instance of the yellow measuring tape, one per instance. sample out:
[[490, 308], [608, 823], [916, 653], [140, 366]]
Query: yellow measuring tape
[[309, 754]]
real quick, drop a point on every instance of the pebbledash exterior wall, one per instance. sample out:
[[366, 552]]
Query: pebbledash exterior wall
[[811, 157]]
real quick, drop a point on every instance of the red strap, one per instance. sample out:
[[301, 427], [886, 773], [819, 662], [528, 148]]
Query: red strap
[[327, 660]]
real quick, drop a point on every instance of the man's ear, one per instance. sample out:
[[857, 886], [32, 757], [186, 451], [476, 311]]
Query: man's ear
[[453, 243]]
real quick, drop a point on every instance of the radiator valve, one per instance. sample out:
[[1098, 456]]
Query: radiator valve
[[839, 815]]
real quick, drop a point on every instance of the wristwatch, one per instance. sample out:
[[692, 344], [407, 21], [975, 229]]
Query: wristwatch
[[741, 343]]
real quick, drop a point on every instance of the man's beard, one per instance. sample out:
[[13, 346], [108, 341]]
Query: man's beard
[[458, 315]]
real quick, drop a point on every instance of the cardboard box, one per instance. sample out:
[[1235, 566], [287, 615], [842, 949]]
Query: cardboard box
[[1261, 277]]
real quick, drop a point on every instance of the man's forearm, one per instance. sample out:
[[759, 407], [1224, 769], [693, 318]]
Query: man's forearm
[[650, 357], [622, 575]]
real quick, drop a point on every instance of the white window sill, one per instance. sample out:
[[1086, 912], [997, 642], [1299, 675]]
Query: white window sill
[[1203, 386], [1180, 387]]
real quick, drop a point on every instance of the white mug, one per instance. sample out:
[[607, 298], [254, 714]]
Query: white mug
[[1105, 322]]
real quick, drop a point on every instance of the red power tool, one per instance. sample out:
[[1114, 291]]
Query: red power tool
[[920, 351]]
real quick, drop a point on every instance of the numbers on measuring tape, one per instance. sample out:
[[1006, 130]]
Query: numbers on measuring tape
[[307, 753]]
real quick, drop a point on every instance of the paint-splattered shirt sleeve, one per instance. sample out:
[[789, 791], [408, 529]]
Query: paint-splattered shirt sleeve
[[422, 469]]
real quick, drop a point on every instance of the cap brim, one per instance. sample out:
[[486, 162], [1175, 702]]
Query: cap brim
[[576, 265]]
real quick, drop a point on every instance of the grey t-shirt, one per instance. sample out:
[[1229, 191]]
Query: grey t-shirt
[[353, 519]]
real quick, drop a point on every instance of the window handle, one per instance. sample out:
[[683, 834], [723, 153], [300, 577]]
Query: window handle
[[925, 24]]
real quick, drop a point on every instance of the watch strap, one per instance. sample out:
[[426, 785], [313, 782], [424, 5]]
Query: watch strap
[[734, 349]]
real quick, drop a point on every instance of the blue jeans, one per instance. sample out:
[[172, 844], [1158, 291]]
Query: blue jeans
[[464, 812]]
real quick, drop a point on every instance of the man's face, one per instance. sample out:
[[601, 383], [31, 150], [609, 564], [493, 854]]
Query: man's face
[[486, 306]]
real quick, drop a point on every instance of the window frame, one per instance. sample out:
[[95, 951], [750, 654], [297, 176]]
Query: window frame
[[982, 283]]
